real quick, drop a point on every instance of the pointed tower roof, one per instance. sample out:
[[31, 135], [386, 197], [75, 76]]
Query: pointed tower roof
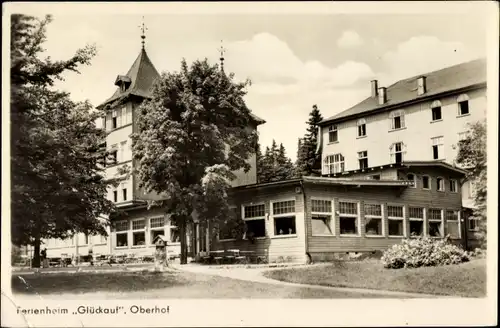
[[137, 82]]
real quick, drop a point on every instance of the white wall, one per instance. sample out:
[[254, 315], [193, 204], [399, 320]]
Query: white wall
[[416, 135]]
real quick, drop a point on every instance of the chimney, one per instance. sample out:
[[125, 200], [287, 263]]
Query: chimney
[[382, 97], [374, 88], [421, 86]]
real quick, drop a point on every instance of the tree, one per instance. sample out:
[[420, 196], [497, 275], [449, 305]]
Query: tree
[[275, 165], [56, 185], [472, 156], [191, 135], [306, 153], [284, 165]]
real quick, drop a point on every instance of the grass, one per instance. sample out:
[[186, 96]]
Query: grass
[[84, 282], [466, 280], [177, 285]]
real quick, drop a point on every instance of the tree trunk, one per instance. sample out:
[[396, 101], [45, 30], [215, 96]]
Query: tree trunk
[[183, 237], [36, 254]]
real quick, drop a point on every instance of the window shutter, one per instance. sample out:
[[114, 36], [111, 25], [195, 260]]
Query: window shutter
[[402, 117]]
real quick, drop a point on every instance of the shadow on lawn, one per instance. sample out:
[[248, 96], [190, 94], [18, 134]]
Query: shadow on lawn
[[87, 282]]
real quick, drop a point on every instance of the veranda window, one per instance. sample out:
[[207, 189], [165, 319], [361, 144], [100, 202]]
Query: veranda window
[[284, 218], [395, 215], [435, 222], [348, 218], [255, 220], [321, 221], [373, 220]]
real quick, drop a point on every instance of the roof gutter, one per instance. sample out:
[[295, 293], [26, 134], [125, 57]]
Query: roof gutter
[[404, 103]]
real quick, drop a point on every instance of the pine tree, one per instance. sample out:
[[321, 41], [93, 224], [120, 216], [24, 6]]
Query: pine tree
[[275, 165], [307, 158], [190, 137], [57, 188], [284, 165]]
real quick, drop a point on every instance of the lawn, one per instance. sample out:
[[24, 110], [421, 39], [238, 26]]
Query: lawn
[[467, 279], [139, 285]]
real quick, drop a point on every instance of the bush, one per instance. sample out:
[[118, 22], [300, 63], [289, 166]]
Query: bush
[[423, 251]]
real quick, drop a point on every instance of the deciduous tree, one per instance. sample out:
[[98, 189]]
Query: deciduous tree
[[56, 185], [472, 156], [190, 137]]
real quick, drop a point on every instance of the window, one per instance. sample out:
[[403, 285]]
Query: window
[[124, 194], [115, 196], [463, 104], [426, 182], [373, 220], [175, 236], [114, 156], [284, 217], [157, 227], [114, 120], [122, 233], [363, 159], [416, 218], [453, 224], [397, 119], [86, 239], [322, 223], [124, 116], [255, 220], [122, 151], [440, 184], [102, 239], [361, 127], [334, 164], [397, 152], [436, 110], [348, 218], [453, 185], [437, 148], [139, 232], [473, 223], [435, 223], [375, 177], [333, 135], [411, 177], [396, 220]]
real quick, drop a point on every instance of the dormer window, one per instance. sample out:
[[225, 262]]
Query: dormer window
[[123, 82], [397, 119], [463, 104], [361, 127]]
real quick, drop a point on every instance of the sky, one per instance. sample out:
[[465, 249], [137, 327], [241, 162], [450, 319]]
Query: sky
[[294, 61]]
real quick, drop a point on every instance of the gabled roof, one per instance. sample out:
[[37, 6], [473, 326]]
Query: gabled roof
[[454, 78], [142, 75]]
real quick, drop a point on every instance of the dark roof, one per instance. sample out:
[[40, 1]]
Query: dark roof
[[142, 75], [327, 181], [368, 170], [465, 75]]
